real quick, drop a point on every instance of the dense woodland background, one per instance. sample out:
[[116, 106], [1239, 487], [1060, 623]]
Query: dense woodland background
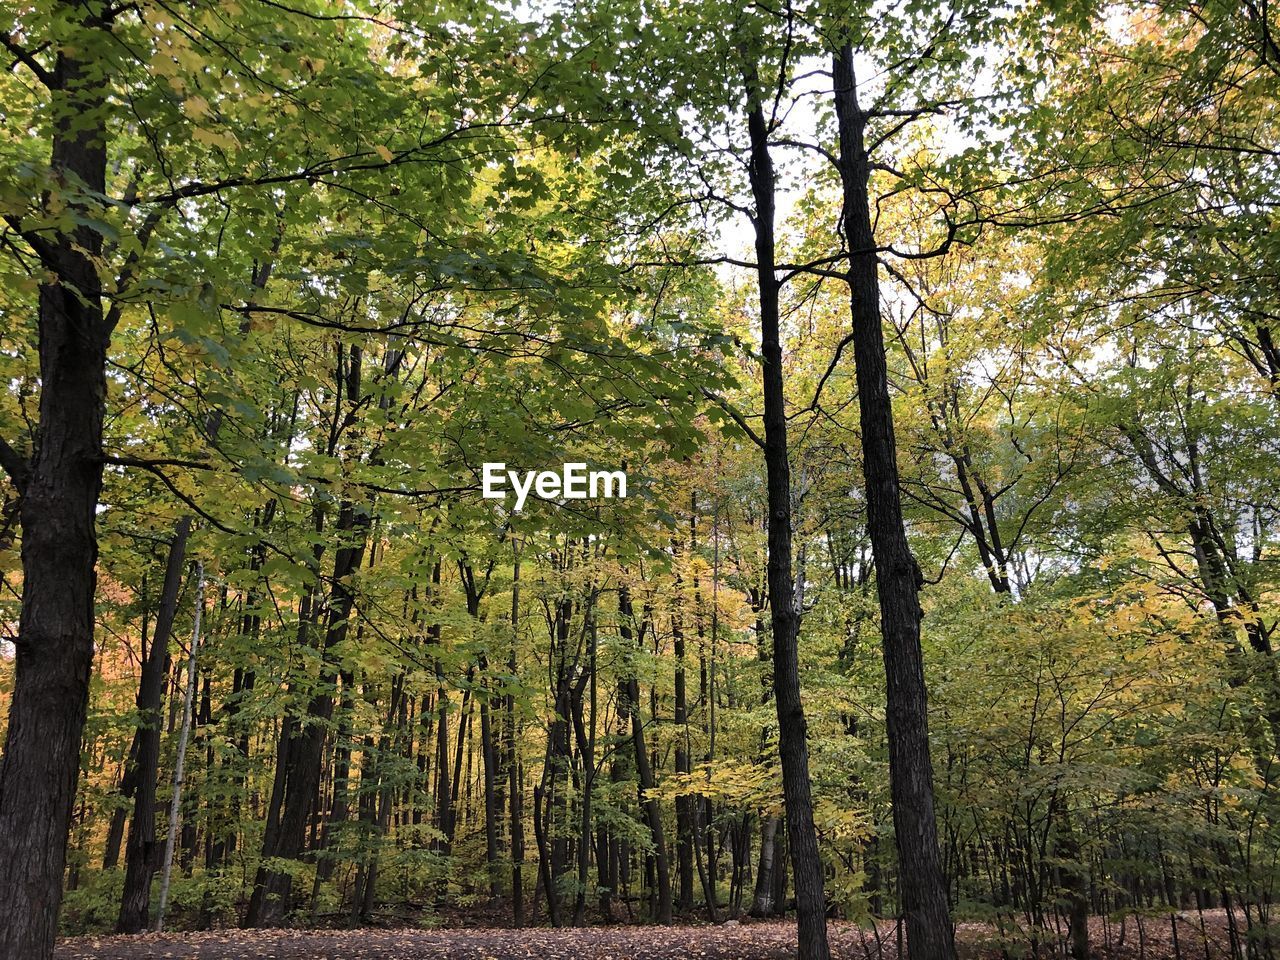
[[313, 263]]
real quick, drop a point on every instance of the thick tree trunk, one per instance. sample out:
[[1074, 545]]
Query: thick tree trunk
[[924, 889], [792, 727], [59, 486], [140, 853]]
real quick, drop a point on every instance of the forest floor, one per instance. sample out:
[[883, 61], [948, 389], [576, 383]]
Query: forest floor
[[769, 940]]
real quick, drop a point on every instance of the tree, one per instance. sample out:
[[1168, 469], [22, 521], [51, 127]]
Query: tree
[[898, 577], [783, 616], [58, 480]]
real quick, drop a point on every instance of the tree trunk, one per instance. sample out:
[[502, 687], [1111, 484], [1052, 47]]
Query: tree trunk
[[515, 790], [629, 704], [269, 903], [762, 901], [59, 486], [140, 854], [585, 736], [184, 732], [489, 757], [924, 889], [340, 804], [684, 803], [792, 727]]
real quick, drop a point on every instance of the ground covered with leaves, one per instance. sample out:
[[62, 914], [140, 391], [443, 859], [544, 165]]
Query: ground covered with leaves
[[747, 941]]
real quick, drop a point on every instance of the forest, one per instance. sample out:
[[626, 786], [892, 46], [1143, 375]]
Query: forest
[[925, 357]]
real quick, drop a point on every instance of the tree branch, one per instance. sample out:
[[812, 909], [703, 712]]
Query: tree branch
[[26, 58], [14, 464], [42, 247], [735, 415]]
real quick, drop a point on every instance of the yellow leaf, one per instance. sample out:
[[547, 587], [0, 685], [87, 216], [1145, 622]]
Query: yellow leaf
[[196, 107], [214, 139], [383, 152]]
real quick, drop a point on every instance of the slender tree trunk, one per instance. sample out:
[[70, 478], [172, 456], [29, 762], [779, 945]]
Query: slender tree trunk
[[780, 859], [607, 857], [792, 727], [115, 830], [586, 737], [376, 798], [541, 817], [140, 854], [515, 792], [488, 751], [366, 814], [559, 761], [629, 704], [270, 902], [184, 732], [924, 889], [443, 844], [684, 803], [703, 810], [460, 749], [489, 757], [129, 779]]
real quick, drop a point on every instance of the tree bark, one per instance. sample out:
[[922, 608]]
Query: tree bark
[[684, 802], [762, 901], [515, 788], [629, 704], [59, 485], [140, 853], [793, 743], [184, 732], [489, 759], [924, 890], [340, 804]]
